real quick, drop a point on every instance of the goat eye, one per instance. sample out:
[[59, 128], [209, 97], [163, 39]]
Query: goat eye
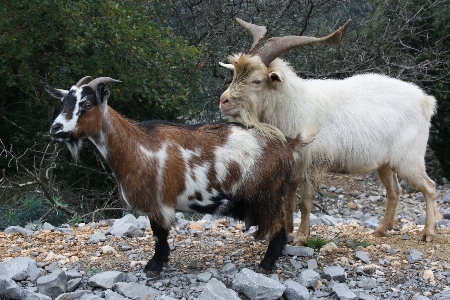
[[256, 81], [87, 105]]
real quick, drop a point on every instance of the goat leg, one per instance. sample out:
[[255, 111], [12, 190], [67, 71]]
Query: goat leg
[[274, 251], [162, 250]]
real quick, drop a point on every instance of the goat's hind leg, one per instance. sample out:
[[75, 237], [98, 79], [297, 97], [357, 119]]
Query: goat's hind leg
[[421, 182], [289, 206], [393, 190], [162, 250], [274, 251]]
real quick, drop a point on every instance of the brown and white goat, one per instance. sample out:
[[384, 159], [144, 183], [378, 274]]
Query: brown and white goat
[[362, 123], [161, 167]]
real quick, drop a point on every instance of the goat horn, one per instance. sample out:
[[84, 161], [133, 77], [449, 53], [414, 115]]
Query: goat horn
[[258, 33], [83, 80], [93, 84], [277, 46]]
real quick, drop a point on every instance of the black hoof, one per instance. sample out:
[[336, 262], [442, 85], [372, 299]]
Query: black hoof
[[264, 271], [152, 274]]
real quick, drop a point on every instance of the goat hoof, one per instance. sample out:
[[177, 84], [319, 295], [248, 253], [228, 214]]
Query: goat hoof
[[152, 274], [299, 242], [427, 238], [378, 234], [264, 271]]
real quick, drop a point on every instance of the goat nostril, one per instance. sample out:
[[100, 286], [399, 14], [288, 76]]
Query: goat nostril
[[56, 127], [224, 100]]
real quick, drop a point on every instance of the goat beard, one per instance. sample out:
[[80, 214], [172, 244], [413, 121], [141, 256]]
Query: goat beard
[[74, 148], [269, 131]]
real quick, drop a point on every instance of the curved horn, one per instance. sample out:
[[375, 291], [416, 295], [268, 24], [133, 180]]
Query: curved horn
[[93, 84], [258, 33], [84, 80], [277, 46]]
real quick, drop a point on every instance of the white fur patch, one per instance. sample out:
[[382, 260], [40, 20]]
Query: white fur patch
[[161, 157], [124, 196], [168, 215], [241, 148], [69, 125]]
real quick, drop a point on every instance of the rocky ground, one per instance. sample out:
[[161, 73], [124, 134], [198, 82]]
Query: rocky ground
[[215, 259]]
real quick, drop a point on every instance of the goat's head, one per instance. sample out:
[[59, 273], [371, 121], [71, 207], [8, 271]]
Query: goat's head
[[257, 73], [81, 113]]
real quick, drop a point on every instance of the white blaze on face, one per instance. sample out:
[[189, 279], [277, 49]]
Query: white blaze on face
[[68, 118], [241, 148]]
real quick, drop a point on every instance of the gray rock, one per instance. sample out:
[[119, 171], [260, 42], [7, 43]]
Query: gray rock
[[164, 297], [65, 230], [48, 226], [97, 237], [31, 295], [90, 297], [420, 297], [363, 296], [110, 295], [328, 220], [421, 219], [367, 283], [74, 296], [358, 214], [229, 268], [53, 285], [54, 266], [143, 222], [135, 290], [126, 230], [295, 291], [72, 284], [216, 290], [72, 274], [127, 226], [18, 229], [446, 198], [313, 220], [181, 222], [298, 251], [107, 279], [9, 288], [312, 264], [257, 286], [343, 292], [332, 189], [205, 276], [336, 273], [21, 268], [363, 256], [214, 272], [414, 256], [372, 223], [308, 278]]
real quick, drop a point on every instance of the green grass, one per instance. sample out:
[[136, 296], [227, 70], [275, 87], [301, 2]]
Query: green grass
[[354, 243], [316, 242]]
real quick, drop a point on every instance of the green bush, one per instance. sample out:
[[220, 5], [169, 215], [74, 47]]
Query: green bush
[[30, 210]]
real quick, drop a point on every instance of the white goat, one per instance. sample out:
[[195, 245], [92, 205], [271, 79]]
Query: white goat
[[363, 123]]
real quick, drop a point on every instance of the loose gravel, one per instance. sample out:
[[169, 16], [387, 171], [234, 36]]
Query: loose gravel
[[216, 259]]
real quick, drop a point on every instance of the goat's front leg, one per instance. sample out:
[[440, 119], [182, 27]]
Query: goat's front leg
[[162, 250]]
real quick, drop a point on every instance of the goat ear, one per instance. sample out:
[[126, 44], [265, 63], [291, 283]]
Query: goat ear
[[102, 92], [228, 66], [275, 77], [54, 92]]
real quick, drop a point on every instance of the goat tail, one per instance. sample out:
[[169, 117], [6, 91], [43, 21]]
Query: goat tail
[[429, 107]]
